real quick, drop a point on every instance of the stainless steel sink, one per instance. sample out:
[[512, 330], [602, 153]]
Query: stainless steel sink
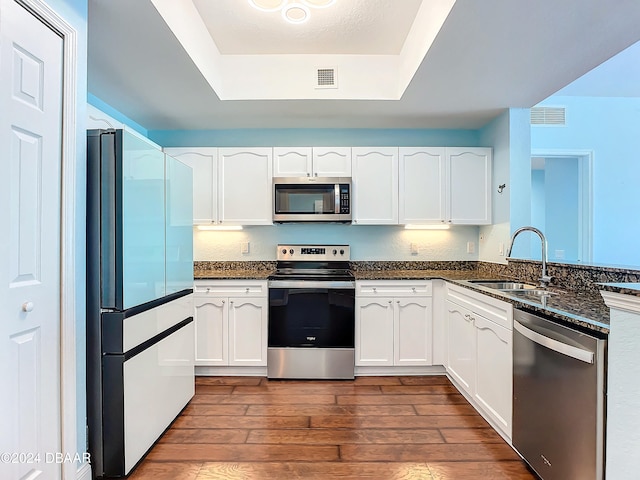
[[504, 285], [531, 293]]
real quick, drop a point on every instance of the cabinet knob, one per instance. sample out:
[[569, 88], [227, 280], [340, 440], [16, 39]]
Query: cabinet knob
[[231, 302], [316, 174], [27, 306], [247, 290], [375, 290], [308, 174], [413, 289], [208, 289], [389, 301], [398, 302], [223, 301]]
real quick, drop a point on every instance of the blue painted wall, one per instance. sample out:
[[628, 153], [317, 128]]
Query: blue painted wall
[[329, 137], [608, 127]]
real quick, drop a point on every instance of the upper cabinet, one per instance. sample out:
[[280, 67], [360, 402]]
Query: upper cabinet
[[203, 162], [231, 186], [469, 185], [422, 175], [244, 179], [312, 162], [445, 185], [375, 185]]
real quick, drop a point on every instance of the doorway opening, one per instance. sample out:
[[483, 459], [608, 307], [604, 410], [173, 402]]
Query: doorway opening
[[562, 203]]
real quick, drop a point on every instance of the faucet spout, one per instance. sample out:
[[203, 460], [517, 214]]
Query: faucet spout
[[544, 278]]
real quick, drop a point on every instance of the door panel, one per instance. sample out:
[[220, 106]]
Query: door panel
[[30, 193]]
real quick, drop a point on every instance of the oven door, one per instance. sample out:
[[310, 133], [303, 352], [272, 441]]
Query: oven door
[[311, 314]]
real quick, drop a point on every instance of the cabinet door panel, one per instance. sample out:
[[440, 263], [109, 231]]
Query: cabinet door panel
[[494, 371], [291, 162], [332, 161], [374, 331], [247, 331], [211, 331], [461, 335], [422, 185], [412, 335], [375, 185], [202, 161], [244, 196], [470, 185]]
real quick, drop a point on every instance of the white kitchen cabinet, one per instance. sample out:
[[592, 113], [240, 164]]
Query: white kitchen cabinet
[[422, 185], [312, 162], [245, 192], [449, 185], [375, 185], [393, 323], [479, 357], [469, 185], [231, 322], [97, 119], [203, 162]]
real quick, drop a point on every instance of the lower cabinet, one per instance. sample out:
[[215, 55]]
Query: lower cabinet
[[231, 323], [393, 323], [479, 346]]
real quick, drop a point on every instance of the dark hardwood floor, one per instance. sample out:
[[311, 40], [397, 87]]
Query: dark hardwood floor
[[370, 428]]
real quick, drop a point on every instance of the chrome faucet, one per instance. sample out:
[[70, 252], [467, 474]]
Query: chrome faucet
[[544, 278]]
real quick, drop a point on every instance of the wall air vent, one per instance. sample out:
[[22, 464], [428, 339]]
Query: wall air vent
[[553, 116], [327, 78]]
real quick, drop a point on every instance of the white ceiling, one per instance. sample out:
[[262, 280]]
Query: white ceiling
[[489, 55]]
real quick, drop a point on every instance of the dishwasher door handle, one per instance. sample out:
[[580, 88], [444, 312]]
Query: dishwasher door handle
[[568, 350]]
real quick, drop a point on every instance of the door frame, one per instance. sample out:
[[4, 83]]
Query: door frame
[[68, 246], [585, 192]]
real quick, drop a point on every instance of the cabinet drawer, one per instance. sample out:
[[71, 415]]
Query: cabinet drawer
[[253, 288], [490, 308], [396, 288]]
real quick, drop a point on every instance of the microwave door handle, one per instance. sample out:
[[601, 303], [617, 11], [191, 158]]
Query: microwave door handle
[[336, 202]]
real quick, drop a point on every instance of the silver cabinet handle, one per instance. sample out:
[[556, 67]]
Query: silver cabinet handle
[[27, 306]]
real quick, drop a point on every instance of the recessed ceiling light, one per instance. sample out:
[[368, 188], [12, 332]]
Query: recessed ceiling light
[[267, 5], [295, 13], [319, 3]]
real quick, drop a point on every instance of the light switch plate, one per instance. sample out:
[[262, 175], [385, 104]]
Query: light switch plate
[[244, 247], [471, 247], [414, 249]]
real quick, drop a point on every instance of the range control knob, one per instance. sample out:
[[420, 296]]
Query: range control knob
[[291, 251], [341, 251], [335, 252], [284, 251]]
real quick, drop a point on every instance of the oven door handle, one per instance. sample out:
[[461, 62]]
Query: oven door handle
[[560, 347], [344, 284]]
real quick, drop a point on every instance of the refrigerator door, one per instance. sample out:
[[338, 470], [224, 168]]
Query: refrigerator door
[[179, 226], [143, 221]]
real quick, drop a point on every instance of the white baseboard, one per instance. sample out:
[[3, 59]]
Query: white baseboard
[[381, 371], [84, 472]]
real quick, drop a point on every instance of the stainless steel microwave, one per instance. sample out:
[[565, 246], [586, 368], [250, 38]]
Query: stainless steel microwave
[[312, 199]]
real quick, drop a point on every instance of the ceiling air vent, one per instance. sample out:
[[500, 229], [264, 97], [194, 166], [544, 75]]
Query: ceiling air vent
[[327, 78], [554, 116]]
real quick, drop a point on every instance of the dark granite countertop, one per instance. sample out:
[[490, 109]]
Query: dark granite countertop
[[622, 287], [231, 274], [587, 310], [584, 309]]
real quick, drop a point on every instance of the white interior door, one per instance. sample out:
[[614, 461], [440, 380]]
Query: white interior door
[[30, 194]]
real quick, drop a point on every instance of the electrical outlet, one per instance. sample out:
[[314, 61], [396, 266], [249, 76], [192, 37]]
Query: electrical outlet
[[471, 247], [244, 248], [501, 248], [414, 249], [481, 237]]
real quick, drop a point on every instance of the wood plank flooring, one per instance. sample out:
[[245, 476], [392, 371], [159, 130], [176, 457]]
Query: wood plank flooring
[[387, 428]]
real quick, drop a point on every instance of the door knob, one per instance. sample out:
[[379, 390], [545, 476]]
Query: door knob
[[27, 306]]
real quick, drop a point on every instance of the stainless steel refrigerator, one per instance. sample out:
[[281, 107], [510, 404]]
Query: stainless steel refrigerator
[[140, 338]]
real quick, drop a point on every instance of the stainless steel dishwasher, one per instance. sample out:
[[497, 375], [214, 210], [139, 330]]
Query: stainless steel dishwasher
[[559, 396]]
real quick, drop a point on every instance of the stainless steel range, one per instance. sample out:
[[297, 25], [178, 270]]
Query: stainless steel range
[[311, 313]]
